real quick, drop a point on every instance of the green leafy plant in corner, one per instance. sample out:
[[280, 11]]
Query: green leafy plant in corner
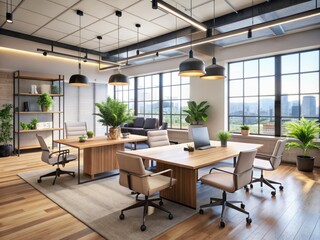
[[197, 113], [113, 113], [244, 127], [305, 131], [224, 136], [45, 100], [6, 123]]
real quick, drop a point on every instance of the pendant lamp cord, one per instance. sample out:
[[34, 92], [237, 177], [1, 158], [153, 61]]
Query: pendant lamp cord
[[191, 28], [79, 59], [8, 6], [214, 26], [252, 14], [118, 41]]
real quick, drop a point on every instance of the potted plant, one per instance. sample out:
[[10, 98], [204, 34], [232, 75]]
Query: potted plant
[[113, 113], [196, 115], [305, 131], [45, 101], [224, 137], [90, 134], [245, 130], [6, 130]]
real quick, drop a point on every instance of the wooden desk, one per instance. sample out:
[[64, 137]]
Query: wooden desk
[[185, 165], [99, 153]]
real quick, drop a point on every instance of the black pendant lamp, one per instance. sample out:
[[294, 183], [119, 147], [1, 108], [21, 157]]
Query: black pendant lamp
[[191, 67], [118, 79], [79, 80], [214, 71]]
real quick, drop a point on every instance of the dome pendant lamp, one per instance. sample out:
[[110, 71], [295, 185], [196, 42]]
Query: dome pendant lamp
[[79, 80], [214, 71], [191, 67], [118, 79]]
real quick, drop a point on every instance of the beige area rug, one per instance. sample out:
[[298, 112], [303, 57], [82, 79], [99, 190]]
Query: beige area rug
[[98, 205]]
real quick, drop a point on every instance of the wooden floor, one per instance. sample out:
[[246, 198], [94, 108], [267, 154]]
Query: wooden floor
[[292, 214]]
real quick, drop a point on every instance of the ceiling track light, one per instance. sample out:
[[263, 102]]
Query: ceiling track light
[[9, 17], [158, 4]]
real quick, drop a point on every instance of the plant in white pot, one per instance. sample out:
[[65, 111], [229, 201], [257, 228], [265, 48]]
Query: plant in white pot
[[113, 113], [305, 131], [197, 114]]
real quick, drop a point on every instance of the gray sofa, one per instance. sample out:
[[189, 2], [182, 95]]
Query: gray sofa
[[140, 126]]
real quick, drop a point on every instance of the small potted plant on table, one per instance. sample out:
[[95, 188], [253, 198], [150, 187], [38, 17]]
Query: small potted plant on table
[[245, 130], [45, 101], [224, 137], [90, 134]]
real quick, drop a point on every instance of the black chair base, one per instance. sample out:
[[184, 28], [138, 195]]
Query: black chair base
[[56, 173], [224, 203], [267, 182], [145, 204]]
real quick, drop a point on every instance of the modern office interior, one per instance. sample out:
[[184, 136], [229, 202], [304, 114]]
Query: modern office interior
[[256, 63]]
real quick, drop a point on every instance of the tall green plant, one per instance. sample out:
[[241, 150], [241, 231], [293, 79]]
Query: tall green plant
[[113, 113], [6, 124], [196, 112], [305, 131]]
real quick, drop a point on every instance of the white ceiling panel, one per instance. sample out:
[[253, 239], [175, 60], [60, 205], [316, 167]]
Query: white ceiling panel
[[170, 22], [66, 3], [86, 34], [151, 29], [102, 27], [19, 26], [43, 7], [108, 48], [62, 26], [30, 17], [124, 34], [120, 4], [49, 34], [94, 8], [71, 17], [14, 2], [107, 40], [147, 15], [71, 39], [90, 45]]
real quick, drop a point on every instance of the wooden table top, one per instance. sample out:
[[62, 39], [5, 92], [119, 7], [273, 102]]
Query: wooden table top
[[175, 155], [100, 141]]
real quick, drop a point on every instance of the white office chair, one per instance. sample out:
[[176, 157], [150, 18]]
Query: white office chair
[[55, 158], [157, 138], [75, 129]]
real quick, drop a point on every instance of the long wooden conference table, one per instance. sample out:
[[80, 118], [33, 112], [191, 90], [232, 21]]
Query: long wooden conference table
[[185, 165], [99, 153]]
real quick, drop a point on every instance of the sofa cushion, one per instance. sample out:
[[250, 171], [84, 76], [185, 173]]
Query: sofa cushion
[[138, 122], [150, 123]]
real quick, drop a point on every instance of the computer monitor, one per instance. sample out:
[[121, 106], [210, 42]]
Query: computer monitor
[[201, 138]]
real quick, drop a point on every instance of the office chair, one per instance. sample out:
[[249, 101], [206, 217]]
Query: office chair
[[157, 138], [55, 158], [136, 178], [270, 164], [230, 180], [75, 129]]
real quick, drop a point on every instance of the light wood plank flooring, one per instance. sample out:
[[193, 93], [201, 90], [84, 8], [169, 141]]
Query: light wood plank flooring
[[292, 214]]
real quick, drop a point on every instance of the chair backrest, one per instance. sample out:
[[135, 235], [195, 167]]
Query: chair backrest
[[130, 168], [44, 148], [275, 160], [75, 129], [158, 138], [243, 168]]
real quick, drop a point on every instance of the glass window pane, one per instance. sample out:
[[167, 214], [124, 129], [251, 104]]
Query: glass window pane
[[166, 79], [185, 80], [147, 94], [290, 84], [167, 119], [185, 91], [131, 83], [125, 96], [252, 122], [290, 106], [290, 63], [310, 105], [266, 66], [251, 68], [166, 93], [141, 108], [184, 105], [175, 107], [236, 88], [184, 124], [155, 107], [140, 94], [175, 121], [131, 95], [140, 82], [155, 93], [267, 106], [147, 108], [236, 70], [236, 106], [267, 86], [267, 125], [167, 107], [283, 120], [251, 106], [119, 96], [251, 87], [176, 92], [147, 81], [155, 80], [309, 83], [235, 123], [309, 61], [175, 78]]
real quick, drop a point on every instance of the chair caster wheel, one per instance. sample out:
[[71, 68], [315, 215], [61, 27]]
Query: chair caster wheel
[[143, 228], [251, 185], [201, 211], [242, 206], [222, 224], [170, 216], [281, 188], [249, 220], [273, 193], [39, 181], [161, 203], [121, 216]]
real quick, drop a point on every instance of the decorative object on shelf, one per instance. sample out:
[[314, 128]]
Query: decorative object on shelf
[[245, 130], [90, 134], [305, 132], [79, 80], [45, 88], [118, 79], [55, 89], [83, 138], [45, 101], [113, 113], [34, 89], [43, 125], [224, 137], [29, 126], [213, 71], [6, 125], [26, 107], [24, 126]]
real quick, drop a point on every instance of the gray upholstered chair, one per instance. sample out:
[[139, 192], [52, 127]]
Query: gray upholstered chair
[[75, 129], [55, 158], [136, 178], [265, 162], [230, 179]]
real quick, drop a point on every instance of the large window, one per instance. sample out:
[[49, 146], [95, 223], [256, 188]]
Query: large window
[[125, 94], [264, 93]]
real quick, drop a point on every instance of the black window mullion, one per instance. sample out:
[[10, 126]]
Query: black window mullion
[[135, 96], [160, 99], [277, 102]]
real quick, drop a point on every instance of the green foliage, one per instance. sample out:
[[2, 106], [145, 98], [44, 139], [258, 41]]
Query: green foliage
[[24, 126], [305, 131], [45, 100], [244, 127], [55, 89], [197, 112], [113, 113], [224, 136], [6, 123], [29, 126], [33, 123], [90, 132]]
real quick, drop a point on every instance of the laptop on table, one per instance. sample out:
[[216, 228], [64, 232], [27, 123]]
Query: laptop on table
[[201, 138]]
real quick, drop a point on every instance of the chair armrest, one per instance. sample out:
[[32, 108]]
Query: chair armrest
[[265, 155], [218, 169], [62, 153], [162, 172]]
